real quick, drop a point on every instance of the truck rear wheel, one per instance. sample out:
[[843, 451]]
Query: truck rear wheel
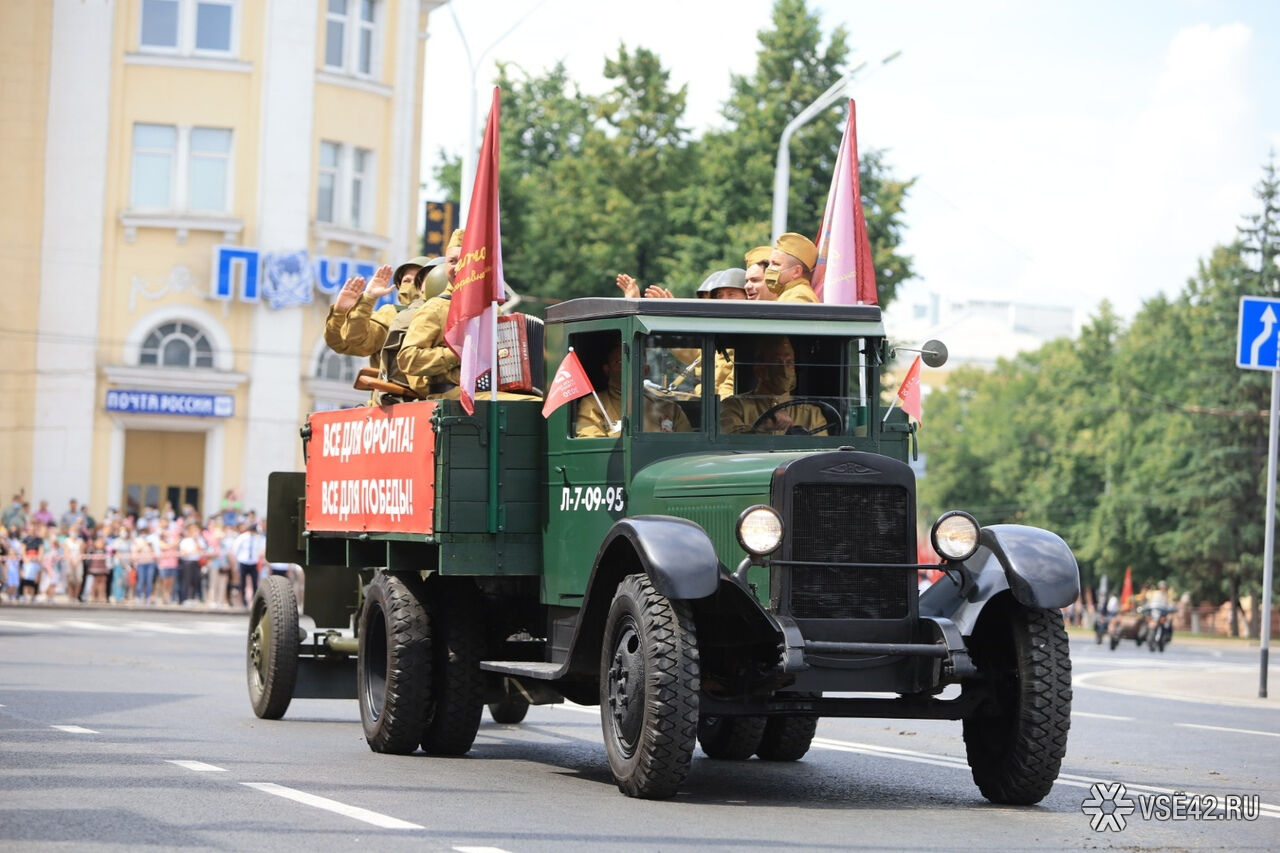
[[393, 666], [787, 738], [510, 710], [1015, 742], [649, 686], [730, 738], [457, 687], [273, 648]]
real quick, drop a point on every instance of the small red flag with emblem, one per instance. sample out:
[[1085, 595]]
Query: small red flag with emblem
[[909, 392], [571, 382]]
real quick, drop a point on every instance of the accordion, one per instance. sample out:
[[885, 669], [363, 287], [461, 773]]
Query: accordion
[[520, 356]]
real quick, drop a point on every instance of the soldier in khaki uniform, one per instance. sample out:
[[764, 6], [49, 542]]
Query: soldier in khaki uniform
[[757, 262], [790, 265], [659, 415], [775, 373], [429, 367], [429, 282], [353, 327]]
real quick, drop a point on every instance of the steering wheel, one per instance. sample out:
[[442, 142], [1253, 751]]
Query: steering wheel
[[833, 415]]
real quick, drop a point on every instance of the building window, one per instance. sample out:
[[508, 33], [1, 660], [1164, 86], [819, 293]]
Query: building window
[[188, 27], [344, 194], [335, 367], [181, 168], [176, 344], [351, 36]]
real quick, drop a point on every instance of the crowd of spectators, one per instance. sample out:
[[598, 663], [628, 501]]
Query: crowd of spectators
[[159, 556]]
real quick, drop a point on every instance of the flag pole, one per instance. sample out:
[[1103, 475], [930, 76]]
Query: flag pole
[[493, 419]]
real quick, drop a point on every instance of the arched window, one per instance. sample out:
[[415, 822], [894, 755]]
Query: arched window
[[336, 367], [176, 344]]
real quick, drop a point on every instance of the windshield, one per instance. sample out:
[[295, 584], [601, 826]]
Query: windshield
[[755, 385]]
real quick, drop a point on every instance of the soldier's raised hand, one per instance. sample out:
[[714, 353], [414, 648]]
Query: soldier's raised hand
[[349, 294], [628, 286], [655, 291], [382, 283]]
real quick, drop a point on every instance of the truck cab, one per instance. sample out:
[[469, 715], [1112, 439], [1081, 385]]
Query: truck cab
[[716, 545]]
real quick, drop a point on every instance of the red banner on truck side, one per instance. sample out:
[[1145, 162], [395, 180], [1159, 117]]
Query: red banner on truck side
[[372, 469]]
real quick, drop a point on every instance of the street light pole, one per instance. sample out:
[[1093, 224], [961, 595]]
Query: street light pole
[[469, 153], [782, 171]]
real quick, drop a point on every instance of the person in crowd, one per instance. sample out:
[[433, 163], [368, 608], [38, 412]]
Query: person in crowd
[[33, 547], [232, 509], [74, 515], [11, 551], [73, 551], [15, 514], [774, 370], [790, 266], [144, 558], [97, 569], [591, 422], [44, 515], [249, 548], [218, 567], [190, 560], [119, 557], [166, 563], [54, 577]]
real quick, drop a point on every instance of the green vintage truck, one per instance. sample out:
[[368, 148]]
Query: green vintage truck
[[718, 569]]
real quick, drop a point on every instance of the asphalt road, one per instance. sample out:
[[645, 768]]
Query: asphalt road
[[126, 729]]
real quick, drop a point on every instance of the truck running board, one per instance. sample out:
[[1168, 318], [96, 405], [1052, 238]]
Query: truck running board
[[526, 668]]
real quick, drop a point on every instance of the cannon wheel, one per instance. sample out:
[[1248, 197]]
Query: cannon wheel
[[273, 648], [393, 666], [730, 738], [510, 710], [649, 685], [1015, 740]]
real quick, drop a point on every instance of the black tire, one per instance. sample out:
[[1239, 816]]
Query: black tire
[[272, 655], [457, 684], [649, 682], [730, 738], [787, 738], [510, 710], [393, 667], [1016, 740]]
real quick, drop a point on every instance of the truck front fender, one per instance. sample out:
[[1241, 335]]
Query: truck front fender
[[675, 553], [1036, 566]]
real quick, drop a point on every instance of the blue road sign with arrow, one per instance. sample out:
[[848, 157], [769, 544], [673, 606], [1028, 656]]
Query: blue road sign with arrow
[[1259, 345]]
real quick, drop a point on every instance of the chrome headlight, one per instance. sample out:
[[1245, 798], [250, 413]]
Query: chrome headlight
[[760, 530], [955, 535]]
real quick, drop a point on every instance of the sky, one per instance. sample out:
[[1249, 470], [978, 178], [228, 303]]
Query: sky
[[1064, 152]]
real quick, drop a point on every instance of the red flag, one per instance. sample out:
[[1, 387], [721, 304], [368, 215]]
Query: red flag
[[479, 283], [1126, 589], [844, 273], [571, 382], [909, 392]]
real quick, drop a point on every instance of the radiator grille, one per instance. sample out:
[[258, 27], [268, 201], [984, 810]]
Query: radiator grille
[[850, 524]]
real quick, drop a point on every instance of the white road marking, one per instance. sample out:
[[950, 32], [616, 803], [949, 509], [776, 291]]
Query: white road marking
[[34, 626], [1225, 729], [92, 626], [75, 730], [1086, 680], [381, 820], [1101, 716], [160, 628], [1069, 779], [581, 709], [198, 766], [480, 850]]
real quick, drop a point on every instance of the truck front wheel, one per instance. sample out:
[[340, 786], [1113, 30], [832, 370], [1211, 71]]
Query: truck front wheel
[[1016, 739], [457, 688], [649, 686], [393, 666]]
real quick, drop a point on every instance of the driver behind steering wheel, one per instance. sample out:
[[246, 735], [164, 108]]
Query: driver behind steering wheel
[[774, 369]]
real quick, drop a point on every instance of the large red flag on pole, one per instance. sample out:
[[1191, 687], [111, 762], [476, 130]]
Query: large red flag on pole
[[473, 312], [844, 273]]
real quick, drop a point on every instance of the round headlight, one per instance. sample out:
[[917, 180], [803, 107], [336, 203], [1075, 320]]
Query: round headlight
[[760, 530], [955, 535]]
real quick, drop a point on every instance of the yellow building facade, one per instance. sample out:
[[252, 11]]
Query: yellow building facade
[[188, 184]]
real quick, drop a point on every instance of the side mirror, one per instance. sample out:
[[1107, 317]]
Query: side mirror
[[934, 353]]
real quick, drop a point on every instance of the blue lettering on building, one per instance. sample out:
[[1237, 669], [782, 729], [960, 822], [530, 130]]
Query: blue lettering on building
[[171, 403], [240, 270]]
